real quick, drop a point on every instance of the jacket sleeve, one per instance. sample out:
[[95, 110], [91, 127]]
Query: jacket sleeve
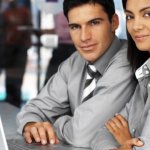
[[103, 140], [145, 135], [51, 102]]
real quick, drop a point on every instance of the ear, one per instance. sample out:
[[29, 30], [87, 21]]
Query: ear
[[115, 22]]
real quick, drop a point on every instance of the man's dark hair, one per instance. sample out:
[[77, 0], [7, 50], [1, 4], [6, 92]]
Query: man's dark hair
[[135, 56], [108, 6]]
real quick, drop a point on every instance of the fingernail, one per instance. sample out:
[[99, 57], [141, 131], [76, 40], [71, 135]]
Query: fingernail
[[140, 142], [37, 140], [44, 142], [116, 114], [52, 141], [29, 141]]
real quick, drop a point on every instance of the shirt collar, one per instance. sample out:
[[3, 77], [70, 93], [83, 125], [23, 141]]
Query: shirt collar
[[148, 63], [143, 71], [103, 61]]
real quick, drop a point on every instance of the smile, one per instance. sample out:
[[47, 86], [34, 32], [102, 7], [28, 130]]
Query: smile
[[88, 47], [140, 38]]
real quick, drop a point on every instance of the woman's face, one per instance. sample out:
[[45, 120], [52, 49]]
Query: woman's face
[[138, 22]]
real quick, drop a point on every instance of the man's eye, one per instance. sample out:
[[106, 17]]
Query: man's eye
[[74, 27], [95, 22]]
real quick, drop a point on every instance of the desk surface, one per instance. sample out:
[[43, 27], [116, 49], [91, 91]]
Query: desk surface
[[8, 114]]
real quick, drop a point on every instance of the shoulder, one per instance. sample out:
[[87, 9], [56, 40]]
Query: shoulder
[[74, 59], [73, 64], [120, 58], [119, 66]]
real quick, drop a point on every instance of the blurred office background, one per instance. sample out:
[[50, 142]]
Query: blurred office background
[[40, 52]]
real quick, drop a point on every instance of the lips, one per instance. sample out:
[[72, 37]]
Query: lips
[[88, 47], [140, 38]]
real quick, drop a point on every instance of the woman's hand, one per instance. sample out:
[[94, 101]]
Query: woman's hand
[[118, 127], [128, 145]]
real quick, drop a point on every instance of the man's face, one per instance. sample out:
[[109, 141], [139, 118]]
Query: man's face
[[91, 30]]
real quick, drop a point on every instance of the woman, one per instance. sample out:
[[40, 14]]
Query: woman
[[130, 129]]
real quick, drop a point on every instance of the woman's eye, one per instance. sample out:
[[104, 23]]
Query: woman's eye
[[129, 17], [147, 14]]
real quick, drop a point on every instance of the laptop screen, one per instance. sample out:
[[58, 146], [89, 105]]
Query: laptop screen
[[3, 143]]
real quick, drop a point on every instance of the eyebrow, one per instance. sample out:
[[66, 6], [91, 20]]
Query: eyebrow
[[148, 7], [96, 19], [72, 24], [128, 11]]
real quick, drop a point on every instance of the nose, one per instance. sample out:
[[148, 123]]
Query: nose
[[85, 34], [137, 24]]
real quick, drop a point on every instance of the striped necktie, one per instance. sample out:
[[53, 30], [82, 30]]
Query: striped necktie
[[91, 80]]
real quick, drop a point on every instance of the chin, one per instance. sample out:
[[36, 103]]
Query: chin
[[89, 59], [143, 48]]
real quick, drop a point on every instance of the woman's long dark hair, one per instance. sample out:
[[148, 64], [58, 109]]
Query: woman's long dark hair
[[135, 56]]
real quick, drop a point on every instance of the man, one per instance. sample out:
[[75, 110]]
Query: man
[[66, 109]]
